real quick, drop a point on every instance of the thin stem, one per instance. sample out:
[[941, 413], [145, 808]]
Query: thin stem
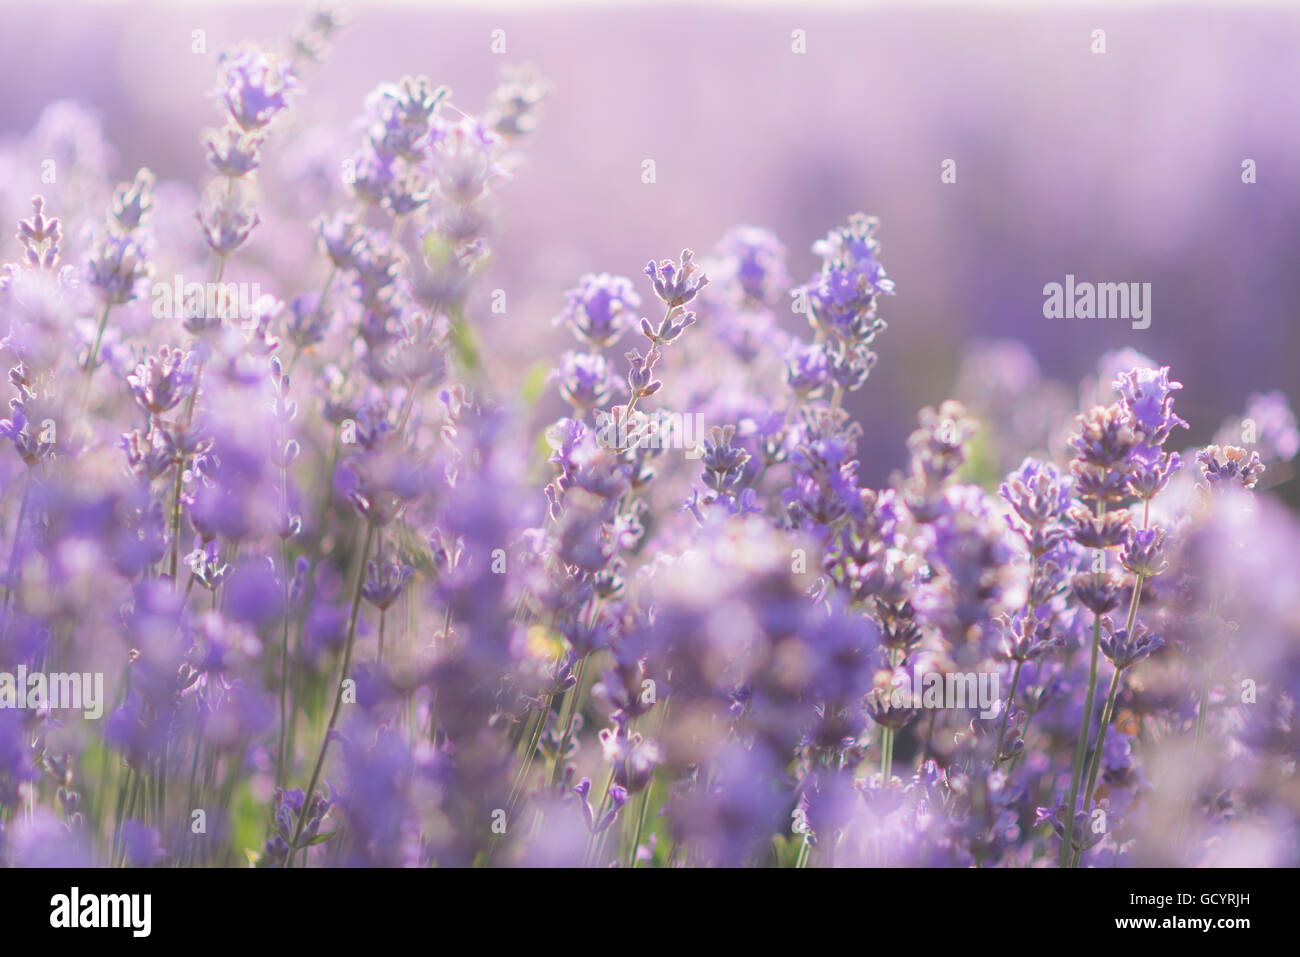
[[1006, 712], [18, 530], [887, 738], [1015, 678], [1082, 748], [338, 694], [1106, 716], [93, 358], [567, 711], [174, 565], [284, 668], [802, 860], [640, 826]]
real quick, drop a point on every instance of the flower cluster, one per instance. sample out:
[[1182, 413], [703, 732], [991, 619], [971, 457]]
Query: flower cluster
[[363, 595]]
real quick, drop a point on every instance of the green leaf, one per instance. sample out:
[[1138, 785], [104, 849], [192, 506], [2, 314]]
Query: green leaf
[[535, 381], [465, 342]]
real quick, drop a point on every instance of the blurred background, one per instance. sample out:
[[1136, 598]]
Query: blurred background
[[1124, 166]]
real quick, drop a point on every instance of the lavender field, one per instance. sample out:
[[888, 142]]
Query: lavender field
[[446, 435]]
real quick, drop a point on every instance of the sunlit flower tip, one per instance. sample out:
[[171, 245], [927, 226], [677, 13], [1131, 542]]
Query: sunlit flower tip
[[226, 223], [384, 582], [1099, 531], [675, 283], [1099, 593], [1222, 467], [640, 376], [1038, 493], [807, 370], [118, 268], [40, 236], [1124, 649], [253, 87], [133, 201], [1147, 398], [599, 308], [160, 382], [1142, 554], [756, 259], [585, 379], [32, 441], [1104, 437], [233, 152], [512, 110]]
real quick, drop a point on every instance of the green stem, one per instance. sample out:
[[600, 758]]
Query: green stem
[[640, 826], [1082, 748], [338, 694], [1015, 678], [1106, 716], [1086, 725], [93, 358], [13, 550], [1006, 713], [567, 711], [284, 670]]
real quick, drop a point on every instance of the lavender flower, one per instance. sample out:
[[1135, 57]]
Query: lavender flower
[[253, 87], [118, 268], [1221, 467], [1124, 650], [346, 569], [675, 283], [599, 308]]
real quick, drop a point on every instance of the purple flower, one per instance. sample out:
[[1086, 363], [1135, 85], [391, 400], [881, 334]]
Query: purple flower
[[31, 445], [40, 237], [724, 463], [599, 308], [226, 222], [640, 376], [1038, 492], [675, 283], [1151, 470], [1223, 466], [340, 235], [1147, 398], [807, 370], [161, 382], [585, 380], [1142, 553], [854, 247], [634, 758], [1123, 649], [133, 201], [755, 260], [253, 87], [1099, 531], [1099, 593], [232, 152], [384, 582], [1105, 438], [618, 797], [308, 321], [118, 268]]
